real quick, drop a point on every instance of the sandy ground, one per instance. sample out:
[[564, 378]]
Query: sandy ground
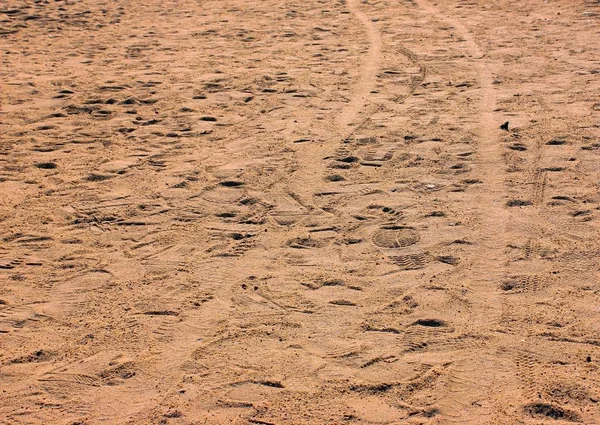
[[299, 212]]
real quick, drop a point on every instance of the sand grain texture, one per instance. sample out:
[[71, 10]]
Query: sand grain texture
[[299, 212]]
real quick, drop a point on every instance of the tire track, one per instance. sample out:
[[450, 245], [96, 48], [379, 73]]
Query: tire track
[[540, 175], [489, 265], [369, 70], [351, 118], [474, 379]]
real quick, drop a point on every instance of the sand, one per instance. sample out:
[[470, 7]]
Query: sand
[[299, 212]]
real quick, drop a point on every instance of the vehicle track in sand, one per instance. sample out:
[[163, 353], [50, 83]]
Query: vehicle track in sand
[[475, 371]]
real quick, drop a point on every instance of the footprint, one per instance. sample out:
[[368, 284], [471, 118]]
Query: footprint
[[74, 378], [395, 237], [522, 283], [376, 157], [223, 194], [411, 261], [548, 411], [306, 243]]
